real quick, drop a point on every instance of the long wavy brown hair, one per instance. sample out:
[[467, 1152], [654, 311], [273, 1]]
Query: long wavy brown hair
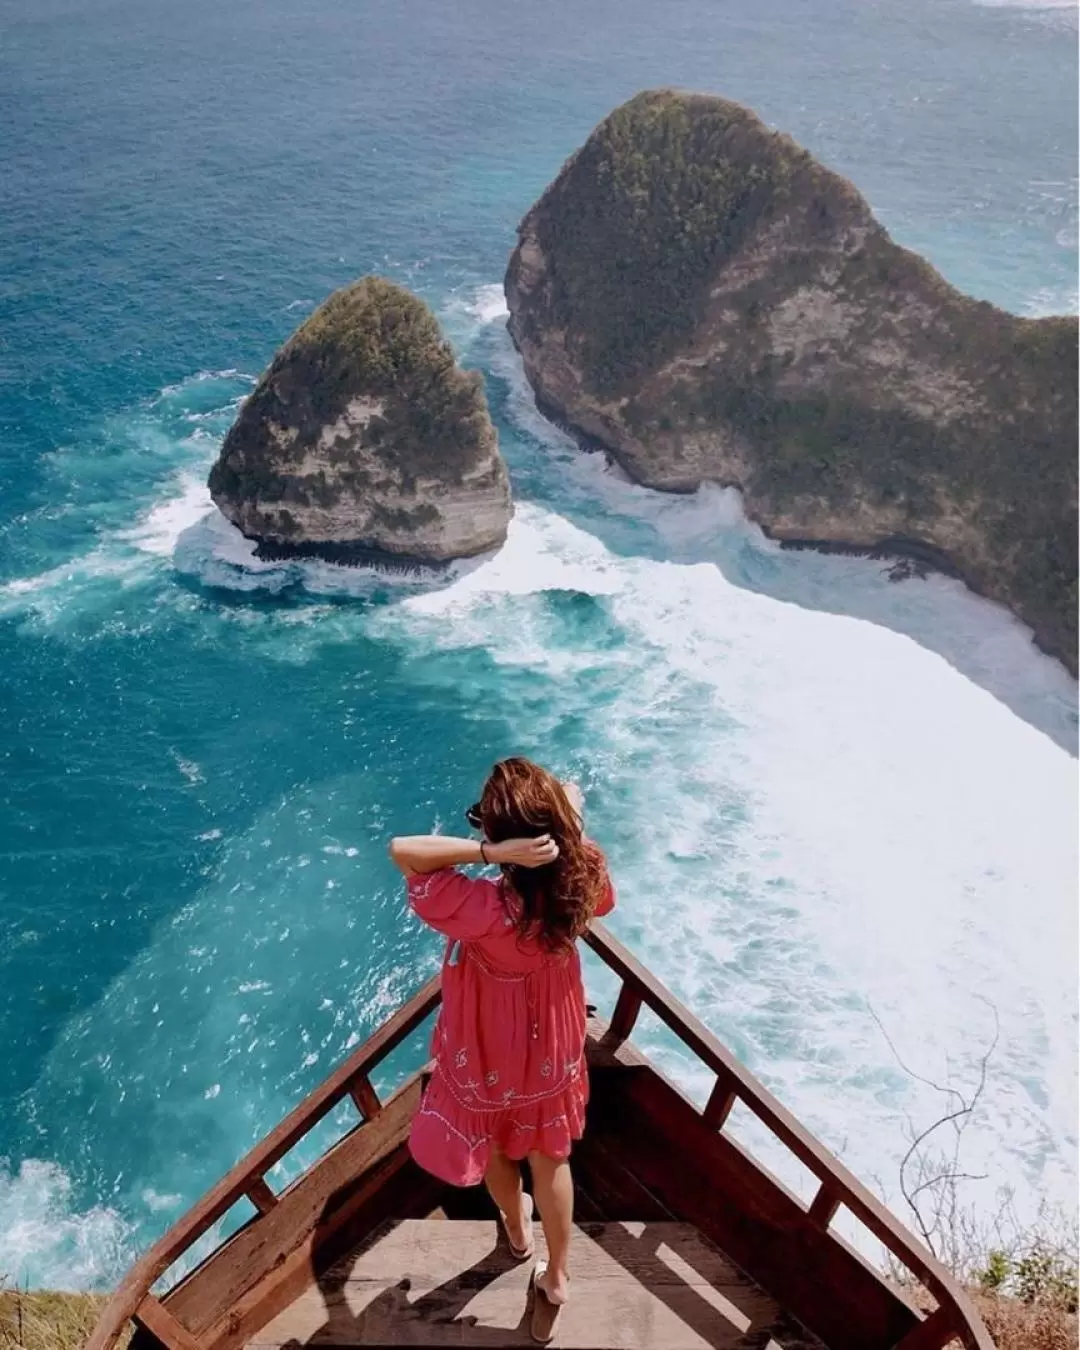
[[520, 801]]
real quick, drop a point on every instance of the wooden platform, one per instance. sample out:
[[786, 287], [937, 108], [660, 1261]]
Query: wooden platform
[[636, 1286]]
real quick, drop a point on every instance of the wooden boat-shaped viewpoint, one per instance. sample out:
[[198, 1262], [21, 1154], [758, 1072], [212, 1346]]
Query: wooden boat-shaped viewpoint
[[683, 1239]]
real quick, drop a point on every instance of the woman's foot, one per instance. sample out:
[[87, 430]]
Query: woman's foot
[[550, 1292], [555, 1286], [519, 1229]]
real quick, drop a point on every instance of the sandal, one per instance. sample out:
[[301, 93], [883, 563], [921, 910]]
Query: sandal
[[521, 1253], [545, 1314]]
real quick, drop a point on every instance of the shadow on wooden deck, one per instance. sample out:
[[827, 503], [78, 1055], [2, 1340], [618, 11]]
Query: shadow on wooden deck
[[637, 1286]]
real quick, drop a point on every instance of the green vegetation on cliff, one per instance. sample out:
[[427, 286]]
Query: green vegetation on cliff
[[668, 194], [700, 296], [374, 340], [380, 337]]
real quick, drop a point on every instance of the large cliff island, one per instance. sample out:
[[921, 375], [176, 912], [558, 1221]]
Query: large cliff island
[[365, 441], [701, 298]]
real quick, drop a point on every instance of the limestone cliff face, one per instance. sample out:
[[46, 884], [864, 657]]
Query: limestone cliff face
[[698, 296], [364, 440]]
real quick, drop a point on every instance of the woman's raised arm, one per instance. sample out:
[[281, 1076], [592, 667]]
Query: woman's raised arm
[[432, 852], [417, 853]]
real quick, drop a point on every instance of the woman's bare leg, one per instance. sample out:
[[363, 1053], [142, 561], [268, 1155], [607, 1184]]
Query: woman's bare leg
[[555, 1195], [503, 1180]]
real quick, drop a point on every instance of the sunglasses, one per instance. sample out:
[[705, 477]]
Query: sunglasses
[[472, 815]]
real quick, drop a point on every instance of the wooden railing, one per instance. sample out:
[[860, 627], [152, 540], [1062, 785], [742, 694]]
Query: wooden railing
[[954, 1316]]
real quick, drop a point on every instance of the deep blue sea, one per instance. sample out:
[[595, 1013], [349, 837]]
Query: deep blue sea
[[834, 805]]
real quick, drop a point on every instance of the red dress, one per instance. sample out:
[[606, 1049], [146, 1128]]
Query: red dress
[[509, 1045]]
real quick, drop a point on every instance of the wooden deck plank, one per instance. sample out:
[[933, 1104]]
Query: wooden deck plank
[[436, 1283]]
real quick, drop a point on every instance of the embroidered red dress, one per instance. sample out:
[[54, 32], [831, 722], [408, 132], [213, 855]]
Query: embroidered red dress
[[509, 1045]]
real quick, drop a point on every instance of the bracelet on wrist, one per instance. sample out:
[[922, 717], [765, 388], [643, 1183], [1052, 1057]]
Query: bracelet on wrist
[[483, 855]]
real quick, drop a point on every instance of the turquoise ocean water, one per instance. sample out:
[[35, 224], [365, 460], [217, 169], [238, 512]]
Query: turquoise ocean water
[[827, 798]]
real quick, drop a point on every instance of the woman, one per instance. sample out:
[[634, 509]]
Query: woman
[[510, 1080]]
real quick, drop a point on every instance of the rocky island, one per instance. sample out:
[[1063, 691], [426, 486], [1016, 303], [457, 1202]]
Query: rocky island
[[698, 296], [364, 441]]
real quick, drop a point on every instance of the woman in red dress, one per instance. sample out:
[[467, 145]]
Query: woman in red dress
[[510, 1080]]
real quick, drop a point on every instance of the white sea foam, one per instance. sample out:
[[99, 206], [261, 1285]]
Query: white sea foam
[[203, 377], [187, 767], [488, 304], [163, 525], [466, 313], [70, 588], [44, 1231], [75, 587], [126, 555], [204, 544]]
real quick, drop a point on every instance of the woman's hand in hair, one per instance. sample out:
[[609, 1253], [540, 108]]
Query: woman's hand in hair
[[523, 852]]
